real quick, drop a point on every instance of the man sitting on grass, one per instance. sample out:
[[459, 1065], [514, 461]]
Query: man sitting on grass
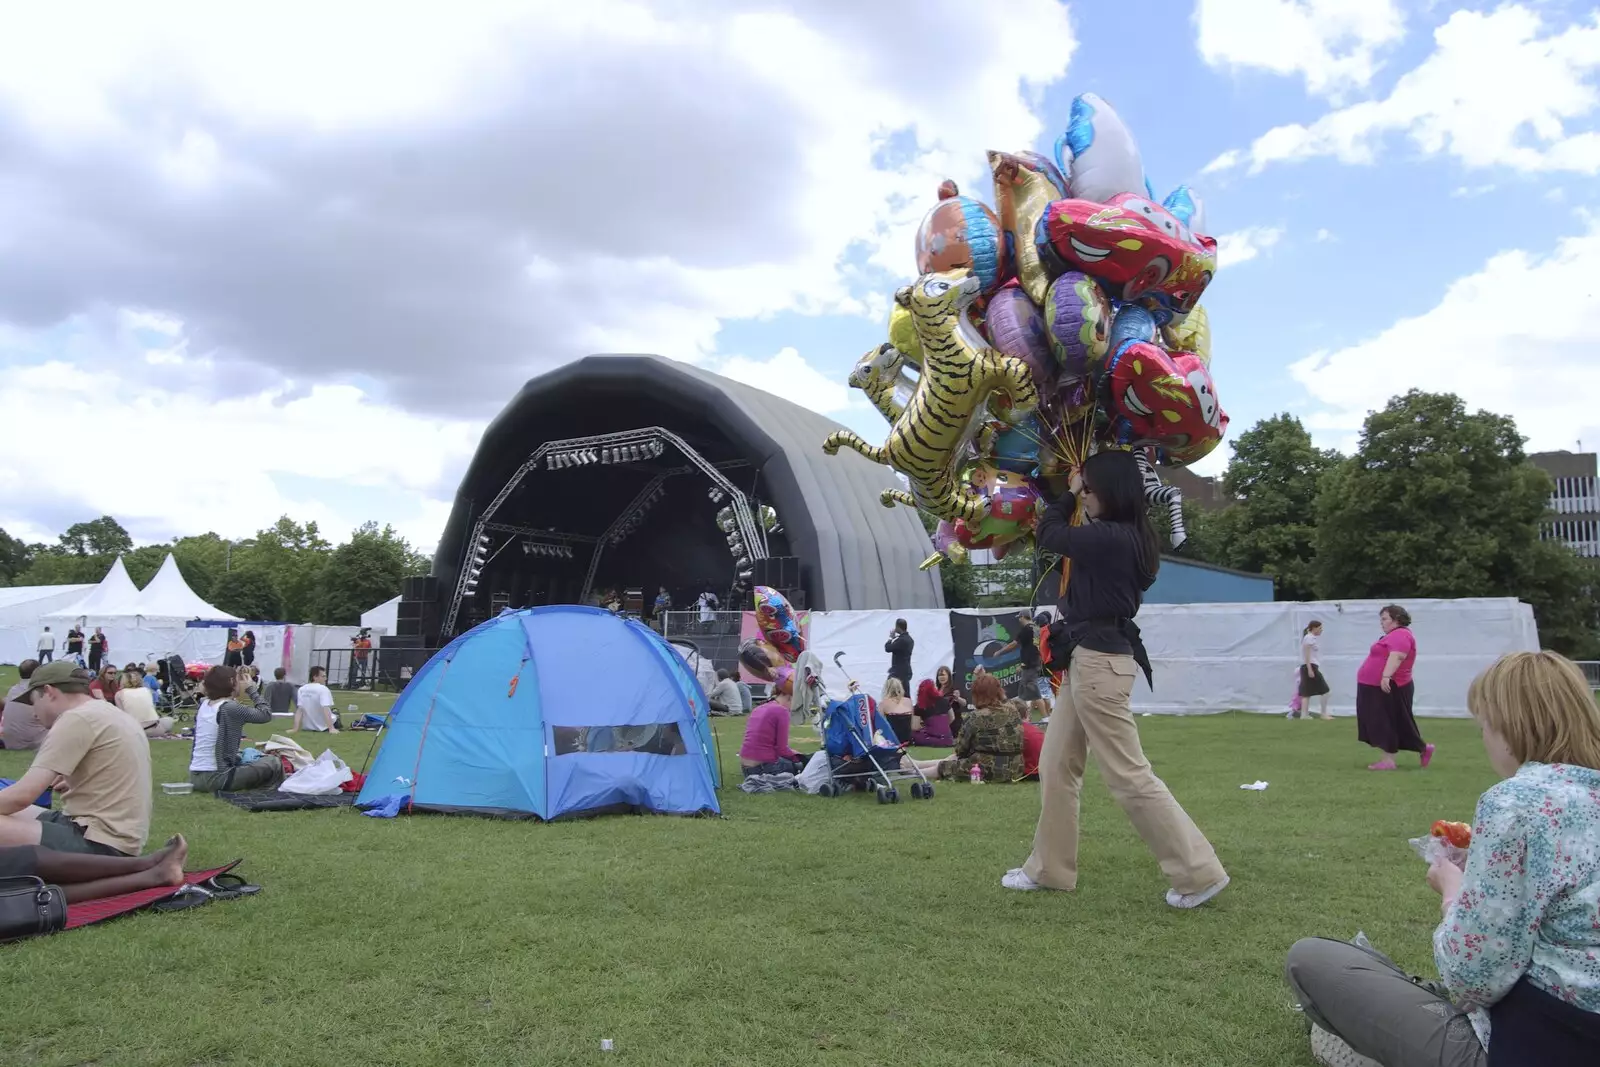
[[99, 760], [280, 694], [20, 727], [314, 705]]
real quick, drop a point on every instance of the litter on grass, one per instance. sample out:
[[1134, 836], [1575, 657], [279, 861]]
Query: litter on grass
[[1256, 786]]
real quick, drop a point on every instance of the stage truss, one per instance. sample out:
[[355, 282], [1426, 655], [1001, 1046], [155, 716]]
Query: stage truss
[[624, 447]]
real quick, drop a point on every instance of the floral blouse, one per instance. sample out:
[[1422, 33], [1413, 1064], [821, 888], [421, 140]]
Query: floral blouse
[[1530, 899]]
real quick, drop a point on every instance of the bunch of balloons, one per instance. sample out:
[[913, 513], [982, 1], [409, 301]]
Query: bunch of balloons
[[781, 642], [1064, 320]]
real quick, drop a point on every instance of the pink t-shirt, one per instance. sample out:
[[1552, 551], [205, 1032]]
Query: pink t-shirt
[[1396, 640], [766, 734]]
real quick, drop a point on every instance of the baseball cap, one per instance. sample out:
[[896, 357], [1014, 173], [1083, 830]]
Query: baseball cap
[[58, 672]]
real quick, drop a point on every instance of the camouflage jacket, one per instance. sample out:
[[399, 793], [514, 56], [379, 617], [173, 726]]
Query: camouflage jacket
[[992, 738]]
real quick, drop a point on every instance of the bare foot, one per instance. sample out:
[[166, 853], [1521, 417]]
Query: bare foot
[[170, 870]]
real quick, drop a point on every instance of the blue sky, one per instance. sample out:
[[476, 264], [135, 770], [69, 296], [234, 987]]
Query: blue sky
[[307, 292]]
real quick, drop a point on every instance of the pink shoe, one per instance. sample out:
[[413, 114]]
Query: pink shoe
[[1382, 765], [1427, 755]]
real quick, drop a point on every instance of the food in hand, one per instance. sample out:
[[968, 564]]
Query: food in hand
[[1458, 834]]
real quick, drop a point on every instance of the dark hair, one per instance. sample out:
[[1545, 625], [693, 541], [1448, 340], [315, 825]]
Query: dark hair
[[280, 674], [219, 682], [318, 671], [26, 668], [900, 624], [987, 692], [946, 670], [1114, 479], [1312, 625], [723, 674], [1400, 615]]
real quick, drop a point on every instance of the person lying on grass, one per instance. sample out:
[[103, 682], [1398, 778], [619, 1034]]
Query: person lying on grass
[[990, 738], [87, 877], [1520, 943], [215, 766], [95, 756]]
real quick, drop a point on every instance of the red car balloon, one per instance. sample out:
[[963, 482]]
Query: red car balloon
[[1133, 245]]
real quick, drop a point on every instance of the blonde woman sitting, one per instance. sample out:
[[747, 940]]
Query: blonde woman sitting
[[135, 698], [1519, 948], [897, 710]]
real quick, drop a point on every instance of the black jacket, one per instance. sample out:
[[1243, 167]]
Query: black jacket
[[899, 648]]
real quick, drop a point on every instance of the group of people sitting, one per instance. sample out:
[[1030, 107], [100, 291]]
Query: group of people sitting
[[992, 733], [94, 755]]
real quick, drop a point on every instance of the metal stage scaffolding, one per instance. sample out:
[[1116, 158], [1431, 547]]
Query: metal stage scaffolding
[[626, 446]]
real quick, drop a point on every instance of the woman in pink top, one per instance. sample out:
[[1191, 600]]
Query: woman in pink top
[[766, 733], [1384, 692]]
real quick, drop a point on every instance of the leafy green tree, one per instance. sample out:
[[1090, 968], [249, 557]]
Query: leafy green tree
[[960, 582], [1438, 502], [248, 591], [295, 557], [102, 537], [1274, 478], [15, 558], [52, 567], [364, 572]]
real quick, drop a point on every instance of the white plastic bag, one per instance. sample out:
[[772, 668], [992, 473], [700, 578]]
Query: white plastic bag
[[815, 773], [322, 778]]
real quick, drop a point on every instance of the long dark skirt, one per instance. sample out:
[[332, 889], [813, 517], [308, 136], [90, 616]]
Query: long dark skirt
[[1384, 719]]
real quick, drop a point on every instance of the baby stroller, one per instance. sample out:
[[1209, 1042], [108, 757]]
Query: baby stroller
[[180, 694], [863, 751]]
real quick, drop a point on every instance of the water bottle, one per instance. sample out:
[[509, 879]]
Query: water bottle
[[976, 774]]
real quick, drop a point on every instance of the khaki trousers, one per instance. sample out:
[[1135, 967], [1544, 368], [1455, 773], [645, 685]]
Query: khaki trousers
[[1092, 712]]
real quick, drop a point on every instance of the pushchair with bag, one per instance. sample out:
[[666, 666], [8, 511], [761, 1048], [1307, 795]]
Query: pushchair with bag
[[180, 694], [864, 753]]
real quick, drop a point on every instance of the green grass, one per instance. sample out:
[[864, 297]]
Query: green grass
[[795, 930]]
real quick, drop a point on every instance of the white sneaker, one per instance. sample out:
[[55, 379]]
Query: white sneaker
[[1194, 900], [1017, 878]]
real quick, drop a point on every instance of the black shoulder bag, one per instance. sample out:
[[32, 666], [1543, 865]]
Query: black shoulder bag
[[29, 907]]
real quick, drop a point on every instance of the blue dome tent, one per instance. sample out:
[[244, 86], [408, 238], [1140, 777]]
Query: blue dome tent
[[551, 712]]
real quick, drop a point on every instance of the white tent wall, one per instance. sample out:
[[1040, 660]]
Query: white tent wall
[[383, 619], [21, 617], [309, 639], [1211, 658]]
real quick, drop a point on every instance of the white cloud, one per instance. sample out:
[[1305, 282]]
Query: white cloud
[[436, 207], [1325, 234], [169, 461], [1500, 89], [1517, 338], [1241, 246], [1470, 192], [1333, 44], [788, 375]]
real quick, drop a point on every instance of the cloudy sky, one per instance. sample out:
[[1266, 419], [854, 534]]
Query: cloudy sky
[[292, 261]]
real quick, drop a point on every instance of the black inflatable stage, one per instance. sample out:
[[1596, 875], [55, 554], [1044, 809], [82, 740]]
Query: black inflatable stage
[[633, 472]]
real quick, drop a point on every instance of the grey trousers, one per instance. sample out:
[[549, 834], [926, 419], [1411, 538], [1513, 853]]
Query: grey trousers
[[1369, 1003]]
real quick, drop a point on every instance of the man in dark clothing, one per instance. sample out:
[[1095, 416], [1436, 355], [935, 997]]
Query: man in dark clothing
[[280, 694], [1026, 642], [899, 647]]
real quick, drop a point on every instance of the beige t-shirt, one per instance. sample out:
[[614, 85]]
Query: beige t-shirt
[[106, 757]]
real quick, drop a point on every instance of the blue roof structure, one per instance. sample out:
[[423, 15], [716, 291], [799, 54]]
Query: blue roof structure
[[547, 713]]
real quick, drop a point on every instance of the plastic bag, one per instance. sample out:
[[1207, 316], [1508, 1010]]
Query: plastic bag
[[815, 773], [322, 778], [1432, 849]]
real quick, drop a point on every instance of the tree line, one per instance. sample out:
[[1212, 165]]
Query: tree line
[[287, 572], [1436, 501]]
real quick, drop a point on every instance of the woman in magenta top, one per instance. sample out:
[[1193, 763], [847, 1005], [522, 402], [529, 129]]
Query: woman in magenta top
[[766, 733], [1384, 692]]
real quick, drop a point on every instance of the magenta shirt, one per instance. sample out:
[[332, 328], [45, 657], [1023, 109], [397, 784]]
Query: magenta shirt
[[1396, 640], [766, 734]]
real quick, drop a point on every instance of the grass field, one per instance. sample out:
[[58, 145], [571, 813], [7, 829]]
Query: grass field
[[794, 930]]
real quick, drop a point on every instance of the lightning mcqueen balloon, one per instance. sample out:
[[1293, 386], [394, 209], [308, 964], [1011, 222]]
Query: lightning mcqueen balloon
[[1165, 399], [1133, 245]]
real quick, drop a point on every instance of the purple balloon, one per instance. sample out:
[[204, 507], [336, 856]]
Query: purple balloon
[[1016, 328], [1078, 316]]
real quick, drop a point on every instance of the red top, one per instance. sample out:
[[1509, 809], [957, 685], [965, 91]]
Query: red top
[[1032, 743]]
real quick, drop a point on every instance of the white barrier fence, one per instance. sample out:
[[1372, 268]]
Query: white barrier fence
[[1211, 658]]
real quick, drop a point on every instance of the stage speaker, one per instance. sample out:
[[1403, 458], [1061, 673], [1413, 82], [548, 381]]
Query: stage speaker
[[419, 587], [400, 641], [780, 572]]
